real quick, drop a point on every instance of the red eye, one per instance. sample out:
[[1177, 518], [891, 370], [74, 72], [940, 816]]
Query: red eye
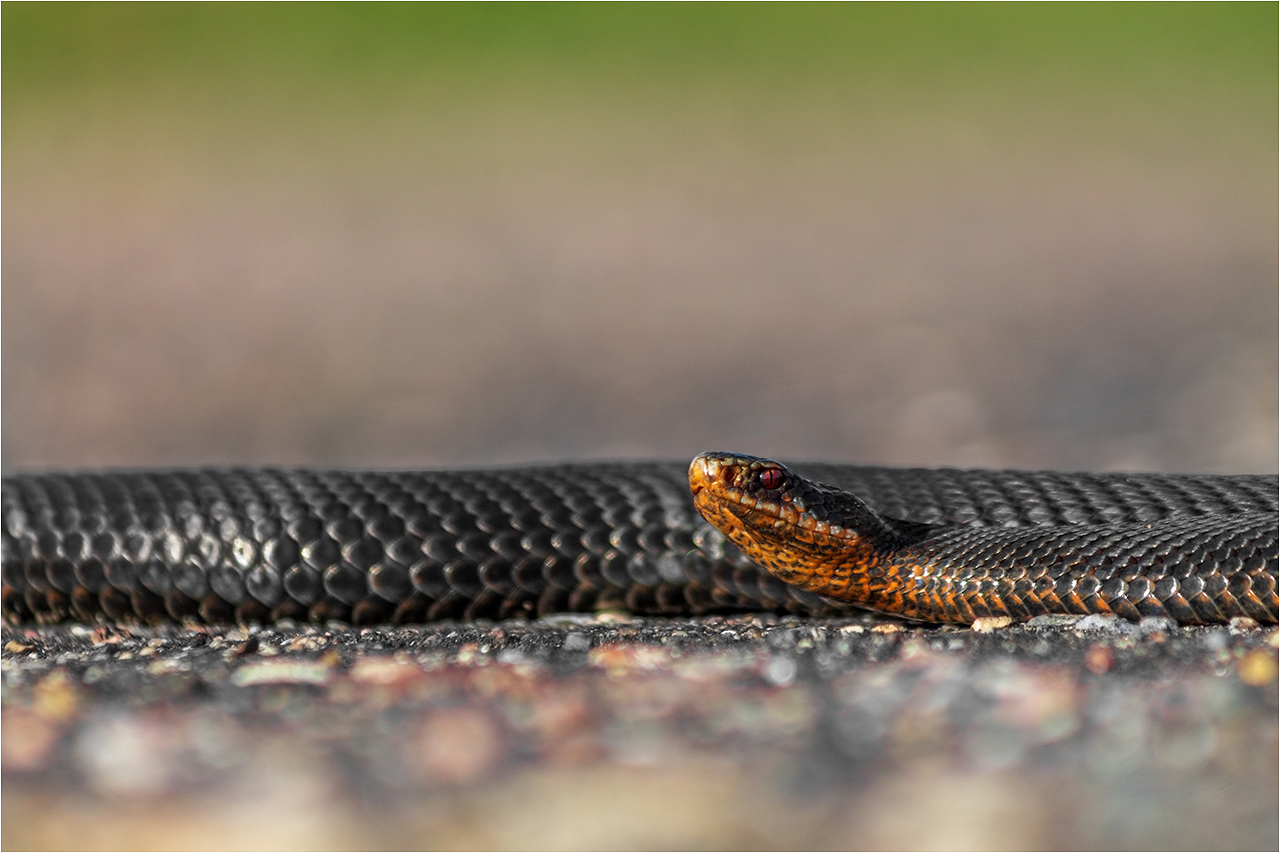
[[770, 478]]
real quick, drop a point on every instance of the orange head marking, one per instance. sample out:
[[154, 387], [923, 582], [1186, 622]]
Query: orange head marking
[[819, 538]]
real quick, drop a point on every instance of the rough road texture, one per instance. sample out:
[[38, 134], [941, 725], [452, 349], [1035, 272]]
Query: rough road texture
[[588, 732]]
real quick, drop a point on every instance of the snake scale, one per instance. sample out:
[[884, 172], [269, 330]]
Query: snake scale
[[258, 544]]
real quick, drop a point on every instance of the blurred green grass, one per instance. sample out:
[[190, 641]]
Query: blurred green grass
[[1155, 53]]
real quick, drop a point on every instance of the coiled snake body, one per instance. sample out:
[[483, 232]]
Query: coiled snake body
[[373, 546]]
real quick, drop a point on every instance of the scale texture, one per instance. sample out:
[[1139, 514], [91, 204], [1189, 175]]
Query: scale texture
[[373, 546], [1183, 557]]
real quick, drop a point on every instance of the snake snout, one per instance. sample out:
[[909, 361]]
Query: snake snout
[[711, 469]]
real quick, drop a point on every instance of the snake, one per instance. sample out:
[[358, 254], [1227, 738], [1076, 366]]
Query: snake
[[728, 533]]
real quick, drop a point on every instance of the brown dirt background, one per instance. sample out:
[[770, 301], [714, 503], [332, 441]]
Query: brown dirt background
[[1006, 239]]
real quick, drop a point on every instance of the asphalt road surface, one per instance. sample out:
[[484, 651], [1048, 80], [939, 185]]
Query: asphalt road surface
[[609, 731]]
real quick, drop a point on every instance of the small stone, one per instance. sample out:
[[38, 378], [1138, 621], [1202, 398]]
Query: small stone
[[915, 649], [577, 642], [1107, 623], [512, 657], [459, 746], [26, 740], [163, 666], [886, 628], [125, 755], [108, 636], [469, 654], [56, 697], [1215, 641], [781, 670], [618, 660], [16, 648], [387, 671], [282, 672], [1258, 668], [990, 624], [1156, 627], [1099, 659], [613, 617], [1242, 624], [307, 644], [782, 638], [1053, 620]]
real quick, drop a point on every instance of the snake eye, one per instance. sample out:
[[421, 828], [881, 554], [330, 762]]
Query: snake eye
[[769, 478]]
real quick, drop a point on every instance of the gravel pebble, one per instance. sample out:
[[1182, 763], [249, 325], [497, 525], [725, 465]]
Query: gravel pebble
[[749, 731]]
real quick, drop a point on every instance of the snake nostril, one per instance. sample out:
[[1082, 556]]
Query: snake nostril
[[703, 471]]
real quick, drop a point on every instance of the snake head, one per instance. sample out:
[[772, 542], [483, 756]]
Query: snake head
[[807, 534]]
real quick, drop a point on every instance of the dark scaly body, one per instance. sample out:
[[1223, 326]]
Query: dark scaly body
[[258, 544]]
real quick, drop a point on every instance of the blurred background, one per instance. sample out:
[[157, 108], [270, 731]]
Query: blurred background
[[339, 235]]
